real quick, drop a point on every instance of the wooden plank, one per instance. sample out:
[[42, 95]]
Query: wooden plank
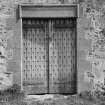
[[35, 80], [62, 70]]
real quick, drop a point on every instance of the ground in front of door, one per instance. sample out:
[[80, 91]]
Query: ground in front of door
[[56, 99]]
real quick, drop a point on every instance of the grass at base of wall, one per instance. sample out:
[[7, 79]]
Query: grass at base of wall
[[14, 96], [59, 100]]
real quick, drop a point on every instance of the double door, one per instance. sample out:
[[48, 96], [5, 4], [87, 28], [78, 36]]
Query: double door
[[49, 55]]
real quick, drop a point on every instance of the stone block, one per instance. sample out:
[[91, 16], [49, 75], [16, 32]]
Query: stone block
[[17, 78], [14, 65], [9, 54], [6, 80], [2, 61], [10, 23], [84, 65], [3, 68], [81, 54], [83, 44]]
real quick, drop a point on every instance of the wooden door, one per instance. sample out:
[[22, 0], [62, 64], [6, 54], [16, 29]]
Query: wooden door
[[62, 56], [49, 55], [35, 57]]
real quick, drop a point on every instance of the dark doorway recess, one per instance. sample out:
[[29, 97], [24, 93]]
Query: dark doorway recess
[[49, 55]]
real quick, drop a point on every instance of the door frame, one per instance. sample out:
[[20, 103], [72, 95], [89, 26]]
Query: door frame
[[46, 11]]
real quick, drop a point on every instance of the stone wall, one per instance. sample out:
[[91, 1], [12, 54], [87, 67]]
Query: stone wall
[[90, 40], [94, 49]]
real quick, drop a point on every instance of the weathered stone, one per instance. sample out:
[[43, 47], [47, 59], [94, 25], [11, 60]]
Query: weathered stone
[[6, 80]]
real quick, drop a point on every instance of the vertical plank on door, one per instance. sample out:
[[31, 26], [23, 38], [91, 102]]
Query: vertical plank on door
[[62, 56], [35, 52]]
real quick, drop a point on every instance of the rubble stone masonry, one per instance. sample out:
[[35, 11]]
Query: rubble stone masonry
[[90, 40]]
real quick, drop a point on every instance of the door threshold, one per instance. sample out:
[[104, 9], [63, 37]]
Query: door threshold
[[40, 97], [46, 97]]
